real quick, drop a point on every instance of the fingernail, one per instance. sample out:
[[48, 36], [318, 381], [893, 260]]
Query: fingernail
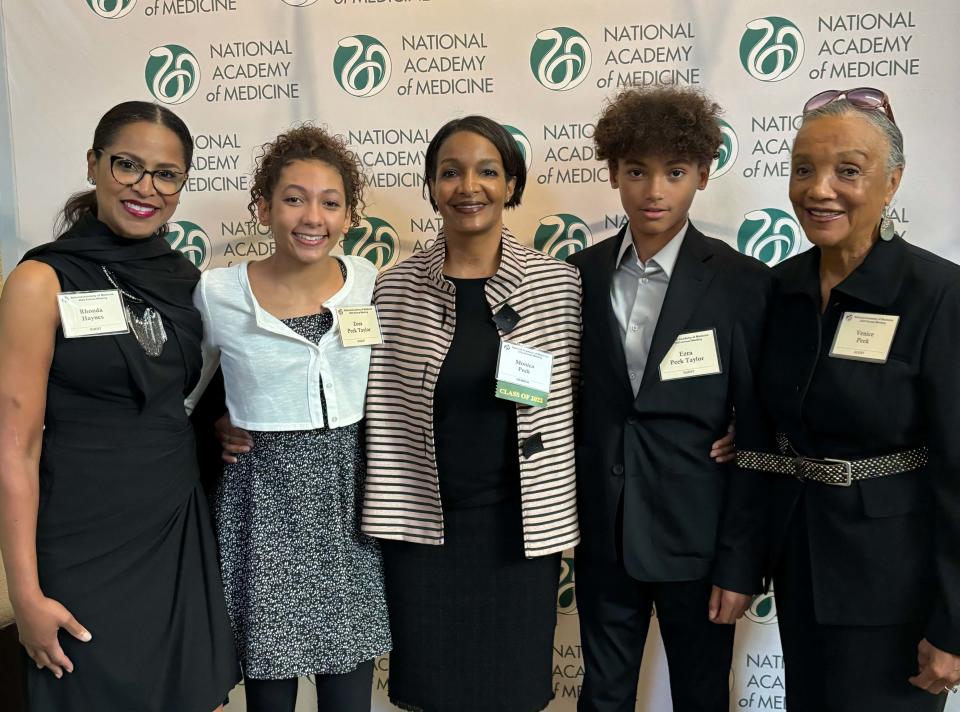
[[85, 636], [58, 675]]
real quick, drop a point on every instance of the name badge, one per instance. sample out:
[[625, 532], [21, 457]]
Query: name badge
[[864, 337], [523, 374], [359, 326], [93, 313], [693, 354]]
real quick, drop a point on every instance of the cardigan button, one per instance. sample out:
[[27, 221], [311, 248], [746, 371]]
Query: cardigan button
[[617, 469]]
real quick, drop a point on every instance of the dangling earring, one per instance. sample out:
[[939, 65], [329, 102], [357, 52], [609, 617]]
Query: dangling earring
[[887, 228]]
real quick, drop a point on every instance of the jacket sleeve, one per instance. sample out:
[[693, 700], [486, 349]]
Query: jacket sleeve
[[741, 542], [940, 389]]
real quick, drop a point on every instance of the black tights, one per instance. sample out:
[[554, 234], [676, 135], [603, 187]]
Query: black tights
[[346, 692]]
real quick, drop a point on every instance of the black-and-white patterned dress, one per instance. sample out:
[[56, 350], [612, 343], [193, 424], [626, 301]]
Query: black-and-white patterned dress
[[304, 587]]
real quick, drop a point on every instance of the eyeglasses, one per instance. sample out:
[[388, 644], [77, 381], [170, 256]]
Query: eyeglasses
[[127, 171], [862, 98]]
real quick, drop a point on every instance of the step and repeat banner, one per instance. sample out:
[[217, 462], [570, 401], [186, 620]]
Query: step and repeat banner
[[388, 73]]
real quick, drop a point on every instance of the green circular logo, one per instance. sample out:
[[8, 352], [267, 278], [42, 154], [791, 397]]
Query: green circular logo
[[769, 235], [192, 242], [566, 593], [361, 65], [111, 9], [561, 235], [523, 143], [374, 239], [763, 609], [771, 48], [560, 58], [172, 74], [728, 151]]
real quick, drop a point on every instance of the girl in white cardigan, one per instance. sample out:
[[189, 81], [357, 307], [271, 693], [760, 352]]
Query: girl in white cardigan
[[304, 587]]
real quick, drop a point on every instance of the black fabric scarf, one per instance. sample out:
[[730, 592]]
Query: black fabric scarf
[[148, 268]]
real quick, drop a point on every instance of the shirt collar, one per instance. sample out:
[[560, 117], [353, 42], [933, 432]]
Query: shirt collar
[[877, 280], [666, 258]]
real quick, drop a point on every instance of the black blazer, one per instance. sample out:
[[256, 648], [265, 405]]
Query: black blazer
[[883, 551], [684, 516]]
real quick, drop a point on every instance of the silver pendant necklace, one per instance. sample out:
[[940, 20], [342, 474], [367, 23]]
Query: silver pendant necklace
[[147, 328]]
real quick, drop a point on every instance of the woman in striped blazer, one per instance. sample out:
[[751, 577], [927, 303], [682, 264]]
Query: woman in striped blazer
[[473, 495]]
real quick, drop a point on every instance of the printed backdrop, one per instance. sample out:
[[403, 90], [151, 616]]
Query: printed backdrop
[[387, 73]]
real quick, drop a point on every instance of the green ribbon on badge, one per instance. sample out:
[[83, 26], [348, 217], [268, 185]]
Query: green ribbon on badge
[[521, 394]]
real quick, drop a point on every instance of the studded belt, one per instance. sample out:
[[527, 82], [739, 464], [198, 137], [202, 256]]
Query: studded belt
[[829, 471]]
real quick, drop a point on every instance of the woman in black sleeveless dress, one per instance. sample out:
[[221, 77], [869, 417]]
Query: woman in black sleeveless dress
[[104, 527]]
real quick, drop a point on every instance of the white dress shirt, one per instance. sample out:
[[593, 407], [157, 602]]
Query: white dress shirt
[[637, 293], [273, 376]]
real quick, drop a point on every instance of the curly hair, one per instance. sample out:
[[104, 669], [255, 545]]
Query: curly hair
[[657, 120], [307, 142]]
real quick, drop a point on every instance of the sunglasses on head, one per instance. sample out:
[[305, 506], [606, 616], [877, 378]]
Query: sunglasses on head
[[862, 98]]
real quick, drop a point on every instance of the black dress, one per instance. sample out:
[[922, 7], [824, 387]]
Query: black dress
[[124, 539], [472, 620]]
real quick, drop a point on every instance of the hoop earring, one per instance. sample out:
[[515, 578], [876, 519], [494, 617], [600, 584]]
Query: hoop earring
[[887, 227]]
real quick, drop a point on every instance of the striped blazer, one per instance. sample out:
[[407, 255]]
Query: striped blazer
[[417, 309]]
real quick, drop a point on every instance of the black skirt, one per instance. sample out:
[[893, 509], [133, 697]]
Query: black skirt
[[472, 620]]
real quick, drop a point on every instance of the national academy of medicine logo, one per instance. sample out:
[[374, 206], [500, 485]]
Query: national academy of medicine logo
[[523, 143], [771, 48], [191, 241], [728, 151], [561, 235], [560, 58], [361, 65], [111, 9], [763, 609], [566, 593], [769, 235], [299, 3], [172, 74], [374, 239]]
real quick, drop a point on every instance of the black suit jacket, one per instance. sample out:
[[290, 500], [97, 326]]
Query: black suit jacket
[[887, 550], [684, 516]]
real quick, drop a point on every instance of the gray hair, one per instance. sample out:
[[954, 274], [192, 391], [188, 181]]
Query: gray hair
[[879, 119]]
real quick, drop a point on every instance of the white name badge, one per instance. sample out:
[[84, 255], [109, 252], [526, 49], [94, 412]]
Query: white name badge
[[359, 326], [693, 354], [523, 374], [94, 313], [864, 337]]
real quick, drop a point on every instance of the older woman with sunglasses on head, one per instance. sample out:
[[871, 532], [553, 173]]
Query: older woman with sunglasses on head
[[860, 381]]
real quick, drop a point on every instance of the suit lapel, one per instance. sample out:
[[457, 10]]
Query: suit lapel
[[690, 279], [607, 262]]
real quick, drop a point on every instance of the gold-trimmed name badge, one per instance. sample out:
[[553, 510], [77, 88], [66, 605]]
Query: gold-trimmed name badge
[[693, 354], [864, 337], [359, 326], [524, 374], [92, 313]]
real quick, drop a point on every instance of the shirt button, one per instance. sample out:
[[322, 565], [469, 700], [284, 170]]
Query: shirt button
[[644, 280], [633, 376], [634, 327], [333, 420]]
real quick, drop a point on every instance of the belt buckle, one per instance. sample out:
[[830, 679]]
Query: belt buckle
[[847, 472]]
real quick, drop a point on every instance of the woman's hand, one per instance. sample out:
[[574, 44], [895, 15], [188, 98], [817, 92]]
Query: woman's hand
[[39, 620], [938, 670], [724, 450], [233, 440]]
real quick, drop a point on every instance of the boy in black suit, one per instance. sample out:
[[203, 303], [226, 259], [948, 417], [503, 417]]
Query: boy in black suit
[[672, 324]]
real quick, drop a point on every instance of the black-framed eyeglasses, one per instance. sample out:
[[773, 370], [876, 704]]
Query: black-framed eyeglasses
[[127, 171]]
